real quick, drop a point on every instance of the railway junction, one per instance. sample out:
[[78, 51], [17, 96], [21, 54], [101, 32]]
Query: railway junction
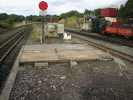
[[68, 69]]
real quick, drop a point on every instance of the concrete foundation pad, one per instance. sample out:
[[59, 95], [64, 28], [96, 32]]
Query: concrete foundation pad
[[69, 53], [51, 47]]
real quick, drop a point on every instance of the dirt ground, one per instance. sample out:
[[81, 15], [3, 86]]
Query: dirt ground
[[97, 80]]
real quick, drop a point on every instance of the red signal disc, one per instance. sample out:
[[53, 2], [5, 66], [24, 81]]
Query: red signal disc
[[43, 5]]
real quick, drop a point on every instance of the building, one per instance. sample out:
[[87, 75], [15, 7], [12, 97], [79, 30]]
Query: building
[[51, 19]]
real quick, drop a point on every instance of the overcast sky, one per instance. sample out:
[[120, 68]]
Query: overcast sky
[[30, 7]]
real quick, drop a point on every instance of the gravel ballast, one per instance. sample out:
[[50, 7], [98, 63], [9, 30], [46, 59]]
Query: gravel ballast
[[86, 80]]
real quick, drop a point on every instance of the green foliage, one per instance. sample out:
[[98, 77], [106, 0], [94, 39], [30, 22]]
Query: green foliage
[[3, 16], [69, 22], [129, 2], [19, 18], [10, 20], [7, 21], [4, 25], [39, 19], [62, 21], [34, 18], [82, 19], [87, 12], [126, 12], [98, 12], [48, 15], [70, 14], [30, 18]]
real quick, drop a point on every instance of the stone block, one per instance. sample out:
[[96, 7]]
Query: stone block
[[73, 63], [41, 64]]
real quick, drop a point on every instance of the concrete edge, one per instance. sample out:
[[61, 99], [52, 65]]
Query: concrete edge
[[58, 61], [9, 84]]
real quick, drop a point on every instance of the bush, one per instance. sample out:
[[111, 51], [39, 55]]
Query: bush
[[4, 25], [62, 21], [71, 21]]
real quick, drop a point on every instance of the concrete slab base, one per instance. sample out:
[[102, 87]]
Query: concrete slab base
[[65, 53], [51, 47]]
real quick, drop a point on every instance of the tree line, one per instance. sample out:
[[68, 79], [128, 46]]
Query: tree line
[[7, 21], [124, 14], [126, 11], [35, 18], [75, 13]]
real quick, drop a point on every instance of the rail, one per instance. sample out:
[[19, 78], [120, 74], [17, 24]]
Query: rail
[[107, 49], [7, 30], [11, 43]]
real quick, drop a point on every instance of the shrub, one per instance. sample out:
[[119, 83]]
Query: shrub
[[4, 25]]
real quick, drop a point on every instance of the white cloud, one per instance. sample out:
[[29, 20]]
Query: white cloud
[[28, 7]]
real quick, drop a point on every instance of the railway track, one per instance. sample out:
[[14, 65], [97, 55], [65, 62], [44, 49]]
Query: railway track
[[111, 39], [9, 44], [7, 30], [105, 48], [102, 47], [8, 52]]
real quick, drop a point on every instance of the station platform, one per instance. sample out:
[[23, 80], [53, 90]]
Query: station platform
[[65, 53]]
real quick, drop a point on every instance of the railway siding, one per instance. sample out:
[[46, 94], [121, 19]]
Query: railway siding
[[9, 34], [107, 38]]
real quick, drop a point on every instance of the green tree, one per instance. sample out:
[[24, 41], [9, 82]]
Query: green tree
[[3, 16], [126, 12], [19, 18], [87, 12], [128, 2], [4, 25], [39, 19], [98, 12], [10, 20], [70, 14]]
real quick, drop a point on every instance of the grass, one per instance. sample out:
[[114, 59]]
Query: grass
[[70, 22], [18, 24], [21, 24], [37, 33]]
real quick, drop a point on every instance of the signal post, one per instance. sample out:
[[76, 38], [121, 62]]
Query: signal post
[[43, 6]]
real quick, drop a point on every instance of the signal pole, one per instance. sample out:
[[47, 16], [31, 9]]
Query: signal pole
[[43, 36], [43, 6]]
